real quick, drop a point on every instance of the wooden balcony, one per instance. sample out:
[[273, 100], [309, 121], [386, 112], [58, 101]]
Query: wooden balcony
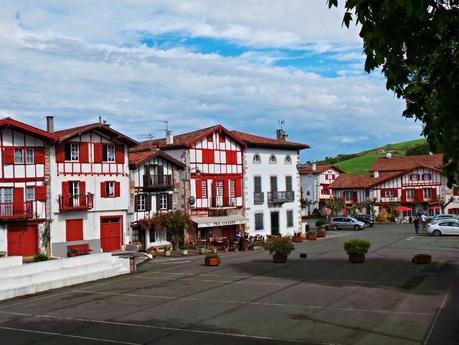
[[281, 197], [153, 183], [12, 211], [78, 202]]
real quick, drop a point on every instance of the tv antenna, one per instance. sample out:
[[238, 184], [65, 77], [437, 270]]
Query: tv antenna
[[281, 124]]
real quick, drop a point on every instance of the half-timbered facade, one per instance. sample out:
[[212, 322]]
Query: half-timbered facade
[[24, 177], [155, 186], [271, 184], [90, 189], [213, 179]]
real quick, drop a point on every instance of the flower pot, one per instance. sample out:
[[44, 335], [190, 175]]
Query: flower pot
[[356, 258], [167, 253], [184, 251], [321, 233], [297, 239], [422, 259], [71, 255], [279, 258], [311, 237], [212, 261]]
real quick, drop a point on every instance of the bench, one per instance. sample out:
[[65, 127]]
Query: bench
[[79, 249]]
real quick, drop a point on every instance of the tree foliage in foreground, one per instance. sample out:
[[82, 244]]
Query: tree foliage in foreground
[[416, 45]]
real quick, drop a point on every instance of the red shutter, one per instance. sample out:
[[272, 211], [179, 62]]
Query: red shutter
[[103, 189], [39, 155], [208, 156], [434, 194], [65, 194], [83, 194], [8, 155], [40, 193], [60, 153], [403, 195], [119, 154], [226, 191], [419, 195], [97, 152], [344, 196], [198, 189], [383, 193], [117, 189], [238, 187], [74, 230], [231, 157], [84, 152]]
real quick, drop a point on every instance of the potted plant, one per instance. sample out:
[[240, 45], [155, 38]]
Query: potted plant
[[212, 259], [311, 235], [167, 251], [40, 257], [72, 253], [356, 250], [184, 249], [281, 247], [321, 231], [297, 237]]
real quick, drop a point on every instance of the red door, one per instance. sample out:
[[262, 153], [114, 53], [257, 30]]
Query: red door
[[22, 240], [110, 233]]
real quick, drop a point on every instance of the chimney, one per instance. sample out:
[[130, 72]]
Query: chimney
[[169, 137], [50, 124], [281, 135], [314, 167], [376, 174]]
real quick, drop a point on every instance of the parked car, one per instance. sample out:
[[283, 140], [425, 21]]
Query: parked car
[[346, 223], [365, 218], [440, 217], [444, 227]]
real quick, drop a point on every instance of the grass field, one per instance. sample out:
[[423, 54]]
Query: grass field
[[363, 163]]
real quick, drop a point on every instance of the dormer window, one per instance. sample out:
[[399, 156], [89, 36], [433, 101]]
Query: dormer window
[[272, 159], [288, 160], [414, 177], [108, 153], [256, 159]]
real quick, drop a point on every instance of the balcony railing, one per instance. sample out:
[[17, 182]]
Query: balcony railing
[[157, 182], [281, 197], [217, 202], [258, 198], [76, 202], [12, 210]]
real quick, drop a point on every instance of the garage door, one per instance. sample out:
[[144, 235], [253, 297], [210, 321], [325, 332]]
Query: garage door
[[22, 240], [110, 233]]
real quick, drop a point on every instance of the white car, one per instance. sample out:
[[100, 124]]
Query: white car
[[444, 227], [440, 217]]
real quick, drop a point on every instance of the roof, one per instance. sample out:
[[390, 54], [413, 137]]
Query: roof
[[138, 155], [359, 181], [9, 122], [186, 140], [257, 141], [307, 169], [69, 133], [408, 163]]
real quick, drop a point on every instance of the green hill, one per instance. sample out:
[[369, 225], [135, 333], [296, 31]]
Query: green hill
[[364, 160]]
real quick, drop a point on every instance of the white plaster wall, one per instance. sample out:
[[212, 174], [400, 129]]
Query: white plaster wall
[[3, 238]]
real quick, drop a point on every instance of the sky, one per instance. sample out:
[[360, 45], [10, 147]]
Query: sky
[[246, 64]]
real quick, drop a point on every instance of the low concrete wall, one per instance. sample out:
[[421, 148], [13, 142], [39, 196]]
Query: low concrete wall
[[18, 280], [10, 261]]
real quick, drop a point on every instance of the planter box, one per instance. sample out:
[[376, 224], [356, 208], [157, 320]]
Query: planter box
[[311, 237], [356, 258], [297, 239], [279, 259], [184, 251], [321, 233], [422, 259], [212, 261]]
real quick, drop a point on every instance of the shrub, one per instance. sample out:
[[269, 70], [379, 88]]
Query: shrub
[[311, 232], [40, 257], [316, 213], [212, 256], [356, 246], [280, 245], [320, 223]]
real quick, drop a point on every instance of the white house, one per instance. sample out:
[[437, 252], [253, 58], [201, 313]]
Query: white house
[[271, 184], [90, 197], [155, 186]]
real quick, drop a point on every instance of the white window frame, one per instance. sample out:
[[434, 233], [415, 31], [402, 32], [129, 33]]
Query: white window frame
[[74, 152], [427, 193], [272, 159], [256, 159], [426, 179], [30, 193], [408, 192], [414, 177], [30, 156], [232, 188], [141, 202], [389, 193], [110, 188], [203, 189], [111, 153], [18, 155], [6, 194], [163, 201]]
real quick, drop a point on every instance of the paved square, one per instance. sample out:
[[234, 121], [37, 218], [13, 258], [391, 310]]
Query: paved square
[[249, 300]]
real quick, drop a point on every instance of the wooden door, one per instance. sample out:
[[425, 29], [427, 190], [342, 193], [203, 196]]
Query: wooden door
[[22, 240], [110, 233]]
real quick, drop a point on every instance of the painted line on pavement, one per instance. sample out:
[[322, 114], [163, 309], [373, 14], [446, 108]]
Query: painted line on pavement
[[437, 315]]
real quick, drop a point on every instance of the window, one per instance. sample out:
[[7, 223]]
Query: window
[[273, 183], [259, 221], [389, 193], [29, 156], [348, 196], [163, 201], [6, 194], [72, 152], [152, 235], [108, 153], [272, 159], [288, 183], [414, 177], [257, 184], [427, 192], [410, 193], [289, 218], [74, 187], [308, 193], [18, 156], [256, 159], [30, 193], [288, 160], [326, 191], [110, 188], [427, 177], [232, 193], [140, 202], [204, 188]]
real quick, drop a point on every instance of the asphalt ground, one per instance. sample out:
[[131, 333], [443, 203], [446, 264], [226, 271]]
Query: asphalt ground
[[249, 300]]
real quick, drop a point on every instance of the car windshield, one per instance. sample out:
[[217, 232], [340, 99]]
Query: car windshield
[[352, 219]]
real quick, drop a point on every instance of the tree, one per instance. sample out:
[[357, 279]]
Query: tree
[[416, 45], [307, 203], [369, 204], [334, 205]]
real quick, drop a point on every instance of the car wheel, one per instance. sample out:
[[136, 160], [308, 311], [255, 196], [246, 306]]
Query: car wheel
[[356, 227], [436, 233], [335, 227]]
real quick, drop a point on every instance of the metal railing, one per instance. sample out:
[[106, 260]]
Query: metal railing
[[258, 198], [216, 202], [13, 210], [278, 197], [74, 202]]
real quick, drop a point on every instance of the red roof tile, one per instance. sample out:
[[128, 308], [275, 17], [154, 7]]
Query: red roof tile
[[69, 133], [140, 154], [357, 181], [257, 141], [9, 122], [408, 162], [307, 169]]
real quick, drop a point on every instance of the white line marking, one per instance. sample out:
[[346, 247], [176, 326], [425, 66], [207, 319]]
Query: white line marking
[[437, 315], [410, 238], [67, 335]]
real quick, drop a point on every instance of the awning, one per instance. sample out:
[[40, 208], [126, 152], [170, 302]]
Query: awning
[[435, 207], [402, 208], [207, 222]]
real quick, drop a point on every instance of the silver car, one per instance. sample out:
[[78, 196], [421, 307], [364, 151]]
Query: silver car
[[346, 222], [440, 217]]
